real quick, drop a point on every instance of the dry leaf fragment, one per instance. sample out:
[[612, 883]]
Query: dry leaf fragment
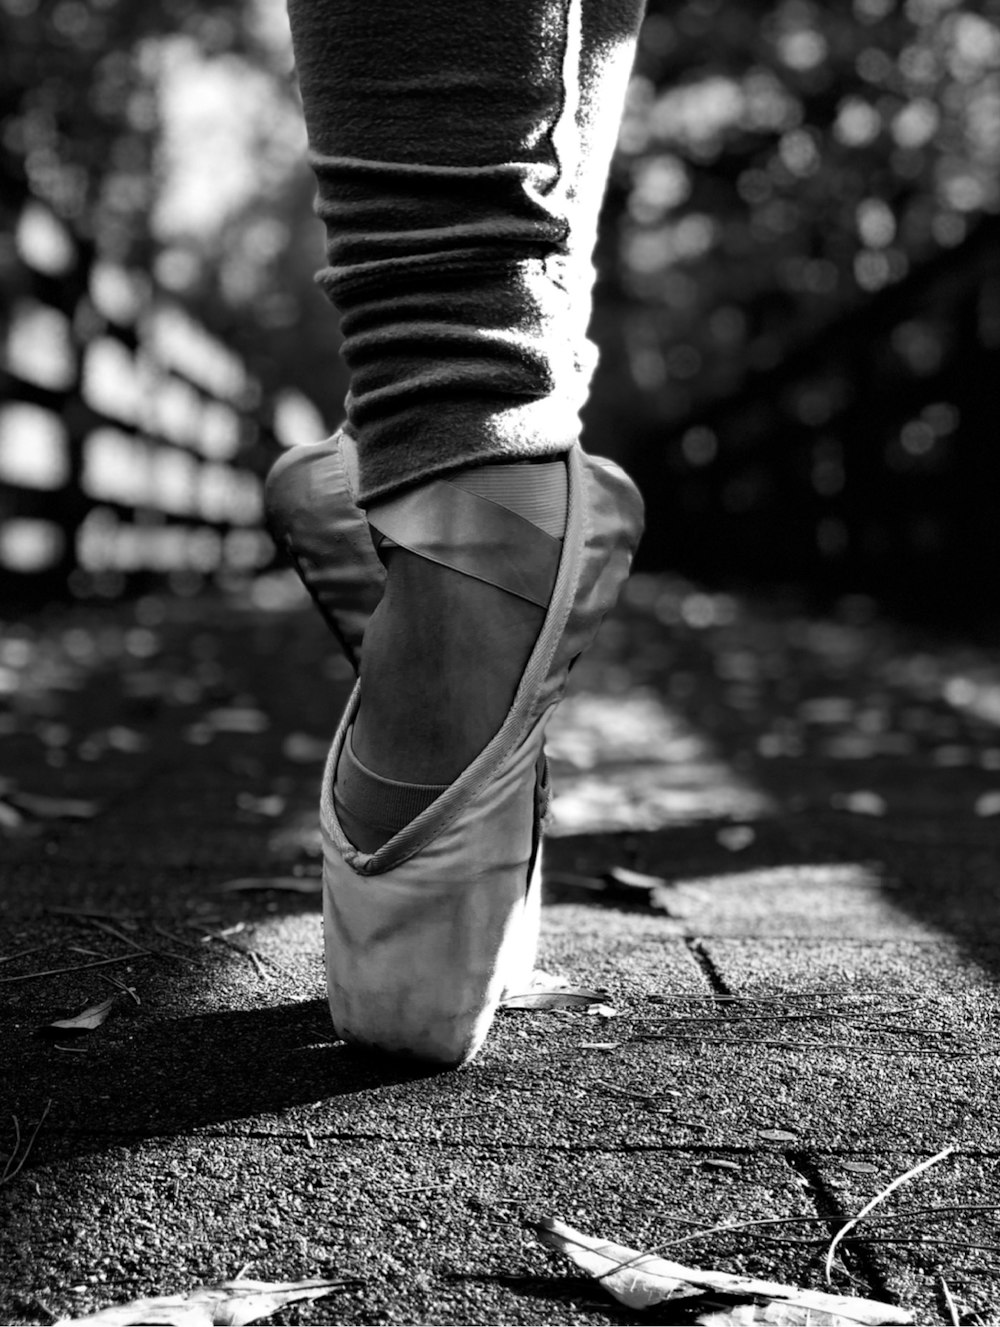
[[777, 1135], [772, 1313], [599, 1045], [859, 1167], [716, 1163], [288, 884], [87, 1020], [565, 997], [640, 1280], [228, 1305], [624, 879]]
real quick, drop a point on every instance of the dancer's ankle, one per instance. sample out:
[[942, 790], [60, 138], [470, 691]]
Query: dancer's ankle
[[444, 654]]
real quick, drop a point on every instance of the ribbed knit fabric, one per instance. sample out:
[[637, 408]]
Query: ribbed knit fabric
[[461, 149]]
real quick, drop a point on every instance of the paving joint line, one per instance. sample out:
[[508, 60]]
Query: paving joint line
[[706, 965]]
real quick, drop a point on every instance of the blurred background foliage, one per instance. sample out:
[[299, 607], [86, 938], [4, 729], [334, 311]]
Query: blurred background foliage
[[799, 293], [782, 162]]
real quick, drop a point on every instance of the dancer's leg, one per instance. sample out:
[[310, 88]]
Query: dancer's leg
[[461, 148]]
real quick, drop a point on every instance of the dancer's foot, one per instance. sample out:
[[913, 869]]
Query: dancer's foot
[[443, 656]]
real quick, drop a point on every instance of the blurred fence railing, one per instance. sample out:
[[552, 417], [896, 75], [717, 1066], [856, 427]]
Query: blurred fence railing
[[132, 442], [867, 458]]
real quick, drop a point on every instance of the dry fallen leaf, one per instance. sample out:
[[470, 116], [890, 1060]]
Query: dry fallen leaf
[[87, 1020], [625, 880], [640, 1280], [572, 997], [772, 1313], [288, 884], [228, 1305]]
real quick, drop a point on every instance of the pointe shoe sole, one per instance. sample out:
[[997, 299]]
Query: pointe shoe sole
[[423, 936]]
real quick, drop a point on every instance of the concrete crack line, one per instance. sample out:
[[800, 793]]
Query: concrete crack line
[[859, 1258], [706, 965]]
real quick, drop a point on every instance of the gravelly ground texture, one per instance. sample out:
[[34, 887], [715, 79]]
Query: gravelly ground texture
[[802, 1002]]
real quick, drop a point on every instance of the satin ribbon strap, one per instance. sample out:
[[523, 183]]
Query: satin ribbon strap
[[474, 536]]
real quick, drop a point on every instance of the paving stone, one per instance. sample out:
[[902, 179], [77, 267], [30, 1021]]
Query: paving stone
[[435, 1231]]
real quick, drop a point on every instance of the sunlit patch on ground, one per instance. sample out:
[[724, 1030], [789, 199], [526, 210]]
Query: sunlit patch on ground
[[629, 763]]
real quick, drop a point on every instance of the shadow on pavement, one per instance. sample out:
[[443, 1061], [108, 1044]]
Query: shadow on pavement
[[181, 1074]]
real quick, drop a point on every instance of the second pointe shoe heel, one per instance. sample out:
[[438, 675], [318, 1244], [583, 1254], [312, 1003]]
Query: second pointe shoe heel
[[313, 516], [423, 935]]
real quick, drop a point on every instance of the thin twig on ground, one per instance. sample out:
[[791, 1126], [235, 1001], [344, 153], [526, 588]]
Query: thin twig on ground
[[950, 1302], [118, 935], [880, 1197], [254, 958], [23, 953], [8, 1173], [79, 967], [120, 986], [142, 949], [93, 912], [173, 937]]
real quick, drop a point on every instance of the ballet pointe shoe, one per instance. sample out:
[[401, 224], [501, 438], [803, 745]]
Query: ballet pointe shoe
[[423, 935], [312, 515]]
